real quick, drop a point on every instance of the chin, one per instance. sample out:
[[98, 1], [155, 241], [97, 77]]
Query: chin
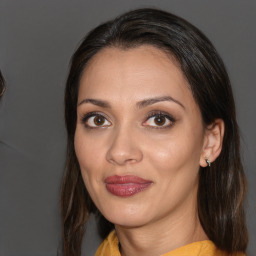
[[127, 221], [125, 215]]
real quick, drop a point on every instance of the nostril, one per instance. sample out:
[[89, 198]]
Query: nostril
[[124, 156]]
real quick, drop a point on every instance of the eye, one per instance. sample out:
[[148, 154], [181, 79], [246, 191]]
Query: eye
[[94, 120], [159, 120]]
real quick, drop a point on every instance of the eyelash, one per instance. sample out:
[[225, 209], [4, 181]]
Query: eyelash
[[156, 114], [86, 117], [152, 114]]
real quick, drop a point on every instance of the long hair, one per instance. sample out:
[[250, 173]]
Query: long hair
[[2, 85], [222, 187]]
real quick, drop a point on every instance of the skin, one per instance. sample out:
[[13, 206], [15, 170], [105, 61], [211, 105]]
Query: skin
[[129, 142]]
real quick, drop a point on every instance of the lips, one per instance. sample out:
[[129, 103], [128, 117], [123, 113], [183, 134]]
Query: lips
[[125, 186]]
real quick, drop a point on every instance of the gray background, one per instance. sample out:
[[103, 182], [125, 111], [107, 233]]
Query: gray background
[[37, 39]]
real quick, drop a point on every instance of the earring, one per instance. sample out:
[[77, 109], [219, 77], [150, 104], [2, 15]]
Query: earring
[[208, 162]]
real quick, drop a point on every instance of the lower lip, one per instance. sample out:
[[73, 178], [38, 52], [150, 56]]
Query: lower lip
[[126, 190]]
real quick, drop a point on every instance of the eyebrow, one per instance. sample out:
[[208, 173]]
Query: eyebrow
[[151, 101], [100, 103], [140, 104]]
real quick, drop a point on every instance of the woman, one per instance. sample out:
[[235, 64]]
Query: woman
[[153, 144]]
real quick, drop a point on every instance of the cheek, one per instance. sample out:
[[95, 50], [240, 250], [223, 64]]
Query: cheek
[[175, 155], [168, 159], [175, 164], [89, 154]]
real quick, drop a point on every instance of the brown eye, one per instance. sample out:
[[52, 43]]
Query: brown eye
[[99, 120], [96, 120], [160, 120]]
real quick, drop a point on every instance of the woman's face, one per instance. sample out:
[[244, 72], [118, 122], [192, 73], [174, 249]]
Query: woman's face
[[139, 136]]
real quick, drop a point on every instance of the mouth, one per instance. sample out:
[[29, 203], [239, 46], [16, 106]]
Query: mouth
[[125, 186]]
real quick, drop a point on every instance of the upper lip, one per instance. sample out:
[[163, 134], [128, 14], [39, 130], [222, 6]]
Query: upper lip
[[126, 179]]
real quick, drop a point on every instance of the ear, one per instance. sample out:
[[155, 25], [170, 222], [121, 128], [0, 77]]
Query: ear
[[213, 139]]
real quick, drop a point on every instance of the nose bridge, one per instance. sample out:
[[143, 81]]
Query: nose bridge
[[124, 145]]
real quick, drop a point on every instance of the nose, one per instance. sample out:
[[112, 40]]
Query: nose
[[124, 148]]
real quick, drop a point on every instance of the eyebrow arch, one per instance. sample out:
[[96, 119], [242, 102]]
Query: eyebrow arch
[[140, 104], [147, 102], [100, 103]]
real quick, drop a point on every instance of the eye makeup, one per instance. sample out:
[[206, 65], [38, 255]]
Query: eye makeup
[[99, 120], [155, 119]]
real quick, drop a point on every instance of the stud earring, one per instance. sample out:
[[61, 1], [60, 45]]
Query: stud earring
[[208, 162]]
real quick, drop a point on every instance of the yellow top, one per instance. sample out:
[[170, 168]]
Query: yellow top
[[109, 247]]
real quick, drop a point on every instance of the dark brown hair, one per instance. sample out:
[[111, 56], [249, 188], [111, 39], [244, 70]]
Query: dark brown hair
[[222, 187], [2, 85]]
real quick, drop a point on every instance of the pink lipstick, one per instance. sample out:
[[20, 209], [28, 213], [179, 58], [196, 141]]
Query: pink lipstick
[[125, 186]]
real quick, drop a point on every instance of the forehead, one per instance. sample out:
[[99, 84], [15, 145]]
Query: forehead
[[134, 74]]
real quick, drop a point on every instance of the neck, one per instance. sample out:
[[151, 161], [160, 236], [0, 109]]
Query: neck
[[161, 236]]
